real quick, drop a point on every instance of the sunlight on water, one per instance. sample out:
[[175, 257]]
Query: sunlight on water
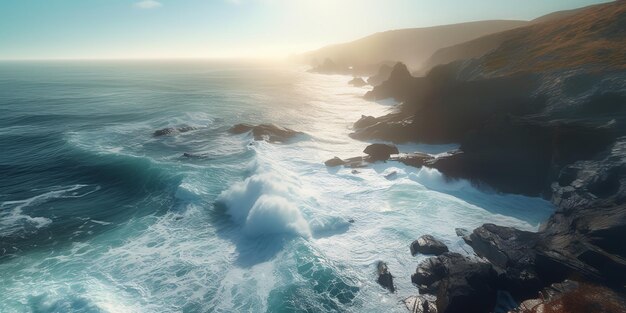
[[117, 220]]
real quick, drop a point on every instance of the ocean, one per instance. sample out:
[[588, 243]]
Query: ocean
[[98, 215]]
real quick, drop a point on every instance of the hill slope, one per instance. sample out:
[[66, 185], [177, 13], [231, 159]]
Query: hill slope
[[480, 46], [410, 46]]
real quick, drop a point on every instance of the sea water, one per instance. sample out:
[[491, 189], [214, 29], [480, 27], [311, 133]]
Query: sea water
[[98, 215]]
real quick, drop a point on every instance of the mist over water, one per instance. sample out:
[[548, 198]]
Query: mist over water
[[97, 215]]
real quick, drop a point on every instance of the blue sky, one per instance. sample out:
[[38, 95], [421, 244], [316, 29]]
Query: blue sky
[[87, 29]]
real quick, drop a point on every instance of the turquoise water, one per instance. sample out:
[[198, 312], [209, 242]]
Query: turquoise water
[[97, 215]]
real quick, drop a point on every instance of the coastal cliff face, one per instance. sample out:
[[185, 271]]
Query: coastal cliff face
[[543, 114]]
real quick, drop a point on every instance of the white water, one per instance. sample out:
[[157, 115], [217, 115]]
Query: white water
[[279, 239]]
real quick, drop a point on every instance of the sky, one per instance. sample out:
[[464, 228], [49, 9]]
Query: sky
[[154, 29]]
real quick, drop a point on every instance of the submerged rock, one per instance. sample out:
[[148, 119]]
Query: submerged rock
[[385, 278], [380, 151], [267, 132], [427, 244], [171, 131]]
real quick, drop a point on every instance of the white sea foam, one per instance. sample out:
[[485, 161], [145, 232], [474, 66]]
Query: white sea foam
[[261, 203], [12, 216]]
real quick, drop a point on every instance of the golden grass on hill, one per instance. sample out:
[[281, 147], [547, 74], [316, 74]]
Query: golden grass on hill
[[594, 38]]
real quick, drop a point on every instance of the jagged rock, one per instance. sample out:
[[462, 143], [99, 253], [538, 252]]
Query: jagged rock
[[385, 278], [357, 82], [398, 86], [267, 132], [336, 161], [415, 159], [428, 274], [383, 74], [420, 304], [172, 131], [512, 253], [365, 121], [380, 151], [461, 284], [427, 244]]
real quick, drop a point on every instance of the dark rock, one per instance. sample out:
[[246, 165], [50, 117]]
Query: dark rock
[[357, 82], [467, 288], [391, 176], [351, 221], [394, 127], [415, 159], [194, 156], [461, 284], [240, 129], [355, 172], [365, 121], [427, 244], [267, 132], [429, 272], [399, 85], [462, 232], [334, 162], [512, 253], [383, 74], [385, 278], [420, 304], [172, 131], [380, 151]]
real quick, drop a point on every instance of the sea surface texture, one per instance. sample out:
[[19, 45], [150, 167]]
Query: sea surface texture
[[99, 215]]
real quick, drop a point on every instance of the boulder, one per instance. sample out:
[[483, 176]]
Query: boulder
[[380, 151], [267, 132], [460, 283], [365, 121], [336, 161], [385, 278], [427, 244], [357, 82]]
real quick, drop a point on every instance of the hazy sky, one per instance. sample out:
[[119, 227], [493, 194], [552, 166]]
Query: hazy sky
[[44, 29]]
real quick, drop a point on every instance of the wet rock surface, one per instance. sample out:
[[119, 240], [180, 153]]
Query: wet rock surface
[[460, 284], [385, 279], [169, 131], [380, 151], [427, 244], [267, 132]]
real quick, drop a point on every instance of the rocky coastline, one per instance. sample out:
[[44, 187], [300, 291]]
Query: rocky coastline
[[556, 132]]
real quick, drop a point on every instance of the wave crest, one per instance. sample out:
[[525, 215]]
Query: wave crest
[[262, 204]]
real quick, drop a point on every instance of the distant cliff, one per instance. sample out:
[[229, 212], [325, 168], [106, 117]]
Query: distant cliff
[[410, 46]]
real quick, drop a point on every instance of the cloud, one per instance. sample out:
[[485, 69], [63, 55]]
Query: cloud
[[148, 4]]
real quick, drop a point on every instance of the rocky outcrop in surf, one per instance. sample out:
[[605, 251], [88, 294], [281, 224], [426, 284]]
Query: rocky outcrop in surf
[[550, 123], [268, 132], [357, 82], [170, 131], [427, 244]]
